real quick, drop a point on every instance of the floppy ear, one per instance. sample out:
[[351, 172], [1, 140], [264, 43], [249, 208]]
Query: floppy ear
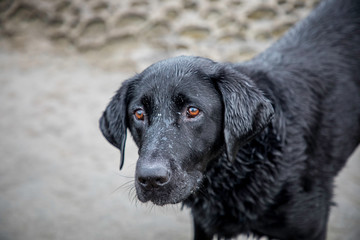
[[113, 123], [247, 110]]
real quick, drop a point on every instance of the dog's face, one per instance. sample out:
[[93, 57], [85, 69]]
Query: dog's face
[[182, 113], [175, 117]]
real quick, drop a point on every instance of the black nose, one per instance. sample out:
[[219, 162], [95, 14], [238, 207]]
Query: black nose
[[153, 176]]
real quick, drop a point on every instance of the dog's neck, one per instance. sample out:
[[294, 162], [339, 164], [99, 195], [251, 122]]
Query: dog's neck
[[226, 181], [262, 149]]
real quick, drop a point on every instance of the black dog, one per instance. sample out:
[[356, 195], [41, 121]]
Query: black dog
[[251, 147]]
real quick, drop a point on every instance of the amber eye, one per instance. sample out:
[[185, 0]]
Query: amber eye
[[192, 112], [139, 114]]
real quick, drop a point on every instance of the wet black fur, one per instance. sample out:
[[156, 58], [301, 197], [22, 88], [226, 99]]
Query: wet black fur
[[273, 134]]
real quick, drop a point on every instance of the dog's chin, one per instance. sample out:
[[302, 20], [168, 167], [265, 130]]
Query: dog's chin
[[160, 199], [162, 202]]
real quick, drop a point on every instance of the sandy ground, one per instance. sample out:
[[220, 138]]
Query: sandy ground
[[59, 177]]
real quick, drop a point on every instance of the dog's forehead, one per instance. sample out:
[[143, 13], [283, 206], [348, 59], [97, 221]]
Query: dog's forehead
[[172, 77]]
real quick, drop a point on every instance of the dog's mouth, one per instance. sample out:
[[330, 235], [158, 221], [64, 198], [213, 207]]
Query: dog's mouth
[[176, 191], [159, 198]]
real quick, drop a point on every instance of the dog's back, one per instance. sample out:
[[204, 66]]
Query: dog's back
[[317, 66]]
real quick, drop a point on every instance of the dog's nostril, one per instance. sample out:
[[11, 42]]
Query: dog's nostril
[[142, 180], [162, 180], [153, 177]]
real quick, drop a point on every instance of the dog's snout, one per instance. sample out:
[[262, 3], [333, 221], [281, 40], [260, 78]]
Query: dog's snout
[[153, 176]]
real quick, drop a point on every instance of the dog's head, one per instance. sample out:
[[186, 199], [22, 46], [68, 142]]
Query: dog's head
[[182, 113]]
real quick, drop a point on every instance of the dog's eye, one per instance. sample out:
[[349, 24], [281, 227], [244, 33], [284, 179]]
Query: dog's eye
[[139, 114], [192, 112]]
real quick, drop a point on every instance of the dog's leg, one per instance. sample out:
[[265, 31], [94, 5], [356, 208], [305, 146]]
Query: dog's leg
[[199, 233], [322, 236]]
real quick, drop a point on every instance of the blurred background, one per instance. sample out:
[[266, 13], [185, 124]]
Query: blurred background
[[60, 63]]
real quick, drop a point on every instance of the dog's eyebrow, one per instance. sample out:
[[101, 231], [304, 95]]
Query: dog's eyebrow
[[179, 99], [146, 101]]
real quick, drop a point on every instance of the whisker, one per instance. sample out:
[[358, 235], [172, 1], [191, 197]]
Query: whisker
[[126, 184], [152, 208], [135, 201], [118, 174]]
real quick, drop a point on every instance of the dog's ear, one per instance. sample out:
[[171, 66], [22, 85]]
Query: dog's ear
[[246, 110], [113, 122]]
